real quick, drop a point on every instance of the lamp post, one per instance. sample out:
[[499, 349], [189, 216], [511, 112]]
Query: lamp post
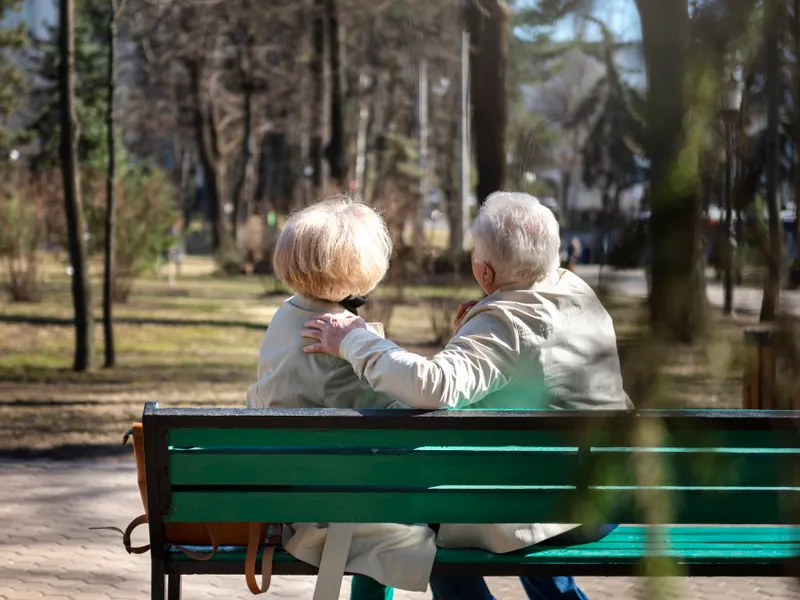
[[731, 105]]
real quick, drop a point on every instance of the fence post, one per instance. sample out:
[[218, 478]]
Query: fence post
[[759, 370]]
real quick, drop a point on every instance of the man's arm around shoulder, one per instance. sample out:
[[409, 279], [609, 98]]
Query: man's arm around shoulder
[[481, 358]]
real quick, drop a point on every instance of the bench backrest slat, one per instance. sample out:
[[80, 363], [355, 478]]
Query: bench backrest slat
[[490, 505], [432, 467], [414, 438]]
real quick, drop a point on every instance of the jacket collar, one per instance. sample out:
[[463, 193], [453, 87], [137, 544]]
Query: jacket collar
[[549, 281], [315, 305]]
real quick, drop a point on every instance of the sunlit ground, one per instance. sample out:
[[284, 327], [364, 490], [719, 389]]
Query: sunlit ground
[[197, 344]]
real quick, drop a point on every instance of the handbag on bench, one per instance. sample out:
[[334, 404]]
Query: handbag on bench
[[185, 535]]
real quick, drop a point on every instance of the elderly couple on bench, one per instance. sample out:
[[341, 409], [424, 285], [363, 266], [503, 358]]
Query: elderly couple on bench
[[540, 339]]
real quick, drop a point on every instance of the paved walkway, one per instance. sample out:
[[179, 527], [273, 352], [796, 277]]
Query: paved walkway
[[633, 283], [47, 550]]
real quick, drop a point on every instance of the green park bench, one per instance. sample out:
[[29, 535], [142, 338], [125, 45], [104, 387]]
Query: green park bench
[[723, 486]]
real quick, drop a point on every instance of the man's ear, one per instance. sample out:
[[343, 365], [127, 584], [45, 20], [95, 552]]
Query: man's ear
[[487, 275]]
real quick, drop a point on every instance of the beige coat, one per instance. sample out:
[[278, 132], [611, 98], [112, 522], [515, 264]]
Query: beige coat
[[396, 555], [290, 378], [549, 345]]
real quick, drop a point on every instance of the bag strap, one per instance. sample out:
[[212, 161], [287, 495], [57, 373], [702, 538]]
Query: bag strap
[[126, 535], [253, 544], [142, 519], [213, 535]]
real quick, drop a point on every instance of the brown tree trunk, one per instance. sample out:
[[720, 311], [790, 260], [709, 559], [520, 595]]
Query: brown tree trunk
[[678, 301], [566, 188], [487, 22], [317, 112], [337, 160], [111, 202], [448, 175], [206, 137], [769, 303], [81, 292], [796, 143], [244, 186], [384, 110]]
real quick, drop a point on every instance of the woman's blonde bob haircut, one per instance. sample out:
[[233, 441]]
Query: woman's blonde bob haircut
[[336, 249]]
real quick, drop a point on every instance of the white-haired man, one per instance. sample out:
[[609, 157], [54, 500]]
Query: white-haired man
[[539, 339]]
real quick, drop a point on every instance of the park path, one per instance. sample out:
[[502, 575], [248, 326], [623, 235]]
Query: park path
[[633, 283], [48, 552]]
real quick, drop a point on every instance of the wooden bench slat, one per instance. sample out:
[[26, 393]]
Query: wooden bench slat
[[490, 505], [626, 544], [690, 437], [428, 467], [415, 468], [719, 467]]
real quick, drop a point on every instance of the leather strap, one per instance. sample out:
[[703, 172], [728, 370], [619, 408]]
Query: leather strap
[[213, 535], [253, 544], [142, 519], [126, 535]]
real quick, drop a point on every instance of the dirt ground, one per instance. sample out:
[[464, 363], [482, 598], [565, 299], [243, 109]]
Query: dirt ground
[[197, 345]]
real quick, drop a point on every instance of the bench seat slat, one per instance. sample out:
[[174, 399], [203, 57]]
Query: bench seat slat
[[626, 545]]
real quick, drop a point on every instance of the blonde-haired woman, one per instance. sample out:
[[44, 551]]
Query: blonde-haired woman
[[332, 254]]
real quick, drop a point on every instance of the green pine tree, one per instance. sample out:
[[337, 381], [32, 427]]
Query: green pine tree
[[612, 114], [13, 39], [91, 101]]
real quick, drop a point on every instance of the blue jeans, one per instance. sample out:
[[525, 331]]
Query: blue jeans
[[537, 587]]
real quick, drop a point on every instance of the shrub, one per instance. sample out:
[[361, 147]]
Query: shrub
[[145, 212], [454, 263], [441, 312], [380, 309], [23, 220]]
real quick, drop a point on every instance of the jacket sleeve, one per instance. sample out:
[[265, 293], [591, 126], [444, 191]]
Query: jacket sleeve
[[479, 360], [342, 390]]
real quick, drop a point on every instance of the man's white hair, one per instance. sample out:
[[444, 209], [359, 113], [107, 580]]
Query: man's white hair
[[518, 236]]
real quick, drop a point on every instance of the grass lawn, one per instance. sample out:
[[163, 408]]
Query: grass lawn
[[198, 345]]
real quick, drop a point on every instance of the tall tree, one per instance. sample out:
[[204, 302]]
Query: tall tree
[[114, 11], [487, 22], [243, 32], [337, 160], [208, 126], [678, 301], [613, 147], [90, 73], [317, 99], [81, 293], [12, 40], [796, 140], [772, 40]]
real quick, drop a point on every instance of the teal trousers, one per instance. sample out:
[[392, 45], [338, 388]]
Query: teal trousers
[[364, 588]]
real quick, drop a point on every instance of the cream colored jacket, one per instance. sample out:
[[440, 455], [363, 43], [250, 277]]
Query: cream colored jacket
[[290, 378], [396, 555], [549, 345]]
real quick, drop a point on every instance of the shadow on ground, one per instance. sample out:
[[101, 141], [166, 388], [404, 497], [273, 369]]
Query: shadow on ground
[[38, 320], [69, 452]]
